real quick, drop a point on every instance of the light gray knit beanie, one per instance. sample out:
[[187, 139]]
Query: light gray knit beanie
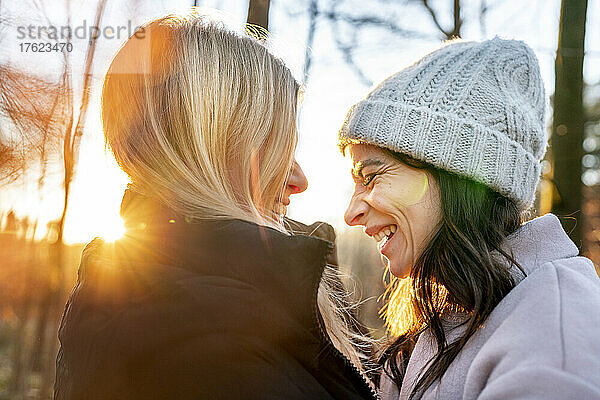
[[472, 108]]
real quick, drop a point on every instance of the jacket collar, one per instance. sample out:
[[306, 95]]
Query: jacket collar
[[536, 242], [287, 267]]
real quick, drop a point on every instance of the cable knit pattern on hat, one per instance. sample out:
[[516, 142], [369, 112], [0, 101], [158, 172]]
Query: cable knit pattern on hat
[[473, 108]]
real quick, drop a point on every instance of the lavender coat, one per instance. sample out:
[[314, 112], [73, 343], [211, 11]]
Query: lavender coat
[[542, 341]]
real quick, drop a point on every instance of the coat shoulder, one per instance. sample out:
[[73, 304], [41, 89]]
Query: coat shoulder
[[550, 320]]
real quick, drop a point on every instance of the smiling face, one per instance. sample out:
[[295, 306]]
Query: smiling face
[[398, 205]]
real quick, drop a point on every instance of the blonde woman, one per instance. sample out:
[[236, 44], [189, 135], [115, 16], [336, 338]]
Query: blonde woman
[[209, 295]]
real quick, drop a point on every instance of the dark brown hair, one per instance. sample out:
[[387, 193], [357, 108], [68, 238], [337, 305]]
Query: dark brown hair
[[456, 270]]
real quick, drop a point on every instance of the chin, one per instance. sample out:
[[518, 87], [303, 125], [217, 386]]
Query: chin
[[399, 270]]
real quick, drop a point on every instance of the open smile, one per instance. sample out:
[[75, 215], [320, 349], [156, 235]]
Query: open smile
[[383, 237]]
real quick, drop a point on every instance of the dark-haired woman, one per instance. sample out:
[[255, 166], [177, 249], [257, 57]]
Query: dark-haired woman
[[446, 158]]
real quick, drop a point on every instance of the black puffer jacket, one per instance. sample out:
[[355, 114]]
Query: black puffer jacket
[[211, 310]]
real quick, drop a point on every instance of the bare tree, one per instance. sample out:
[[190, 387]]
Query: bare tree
[[568, 119], [313, 14], [56, 122], [347, 41], [452, 33], [347, 44], [28, 106], [342, 14], [30, 112]]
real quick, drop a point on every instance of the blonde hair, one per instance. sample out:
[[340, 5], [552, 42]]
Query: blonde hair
[[204, 120]]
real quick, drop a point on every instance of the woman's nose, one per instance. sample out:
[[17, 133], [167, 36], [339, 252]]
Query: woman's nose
[[355, 213], [297, 182]]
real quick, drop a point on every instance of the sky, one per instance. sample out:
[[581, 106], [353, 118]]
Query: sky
[[331, 89]]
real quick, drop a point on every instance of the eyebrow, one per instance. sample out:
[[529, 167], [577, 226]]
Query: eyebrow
[[358, 168]]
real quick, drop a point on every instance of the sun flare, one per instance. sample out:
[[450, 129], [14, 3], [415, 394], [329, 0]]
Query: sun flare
[[112, 230]]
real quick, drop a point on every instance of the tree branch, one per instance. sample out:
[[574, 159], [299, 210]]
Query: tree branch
[[313, 13], [375, 21], [435, 18]]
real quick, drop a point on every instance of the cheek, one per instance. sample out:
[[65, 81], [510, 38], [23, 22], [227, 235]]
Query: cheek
[[394, 194], [412, 190]]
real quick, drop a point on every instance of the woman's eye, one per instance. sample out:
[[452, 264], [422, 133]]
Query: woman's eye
[[368, 179]]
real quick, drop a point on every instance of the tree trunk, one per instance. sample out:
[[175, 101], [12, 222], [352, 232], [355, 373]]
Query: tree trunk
[[313, 13], [568, 121], [258, 13], [457, 20]]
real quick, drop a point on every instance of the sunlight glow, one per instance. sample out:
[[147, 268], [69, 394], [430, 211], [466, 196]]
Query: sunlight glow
[[113, 230]]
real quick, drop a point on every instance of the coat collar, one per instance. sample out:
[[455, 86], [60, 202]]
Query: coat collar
[[533, 244], [536, 242]]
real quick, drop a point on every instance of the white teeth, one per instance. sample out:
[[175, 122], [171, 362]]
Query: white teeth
[[384, 233]]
